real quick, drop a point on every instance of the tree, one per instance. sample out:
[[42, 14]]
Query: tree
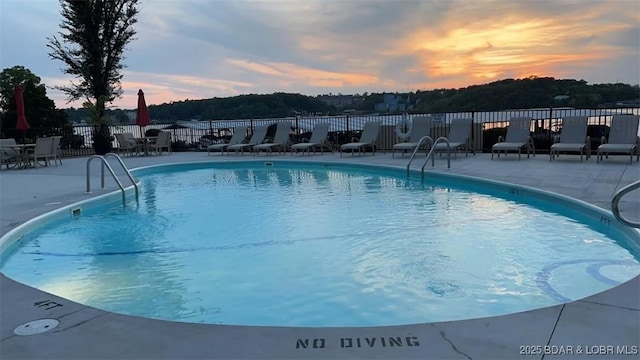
[[17, 75], [40, 111], [91, 45]]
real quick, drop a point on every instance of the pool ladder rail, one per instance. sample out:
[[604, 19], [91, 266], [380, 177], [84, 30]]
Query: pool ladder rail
[[431, 153], [105, 163], [615, 202]]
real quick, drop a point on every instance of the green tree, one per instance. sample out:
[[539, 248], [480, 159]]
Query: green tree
[[91, 45], [40, 111]]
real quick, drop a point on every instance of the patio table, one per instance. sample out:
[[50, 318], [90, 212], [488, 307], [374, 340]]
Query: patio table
[[145, 141], [22, 159]]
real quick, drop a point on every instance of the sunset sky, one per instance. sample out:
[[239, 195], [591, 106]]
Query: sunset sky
[[194, 49]]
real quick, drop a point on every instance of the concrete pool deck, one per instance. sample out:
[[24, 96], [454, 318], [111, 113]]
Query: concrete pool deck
[[605, 325]]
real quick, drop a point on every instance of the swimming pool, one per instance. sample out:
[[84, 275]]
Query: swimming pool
[[322, 246]]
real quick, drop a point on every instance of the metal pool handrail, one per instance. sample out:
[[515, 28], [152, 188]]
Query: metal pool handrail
[[104, 163], [615, 202], [422, 139], [432, 152]]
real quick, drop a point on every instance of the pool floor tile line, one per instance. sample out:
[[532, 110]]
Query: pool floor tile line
[[609, 318]]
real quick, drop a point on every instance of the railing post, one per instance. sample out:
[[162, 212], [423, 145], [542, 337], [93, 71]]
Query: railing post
[[347, 124], [550, 126], [473, 128], [102, 174]]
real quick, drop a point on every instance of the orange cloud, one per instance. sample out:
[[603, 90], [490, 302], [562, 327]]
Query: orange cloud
[[490, 48], [255, 67], [286, 73]]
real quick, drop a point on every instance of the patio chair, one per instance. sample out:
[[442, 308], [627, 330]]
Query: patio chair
[[280, 139], [8, 154], [42, 151], [259, 133], [127, 146], [518, 137], [368, 139], [623, 138], [459, 137], [573, 138], [421, 128], [239, 132], [56, 150], [162, 142], [318, 140]]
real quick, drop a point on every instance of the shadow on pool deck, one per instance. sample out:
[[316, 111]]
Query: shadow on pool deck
[[579, 328]]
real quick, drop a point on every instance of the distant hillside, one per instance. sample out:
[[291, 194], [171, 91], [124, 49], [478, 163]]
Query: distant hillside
[[525, 93], [241, 107], [506, 94]]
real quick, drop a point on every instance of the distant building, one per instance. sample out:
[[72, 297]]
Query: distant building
[[393, 103]]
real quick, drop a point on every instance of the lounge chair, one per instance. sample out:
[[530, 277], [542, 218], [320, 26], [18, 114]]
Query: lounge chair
[[127, 146], [257, 138], [318, 140], [368, 139], [421, 128], [623, 138], [573, 138], [239, 133], [459, 137], [280, 139], [518, 138]]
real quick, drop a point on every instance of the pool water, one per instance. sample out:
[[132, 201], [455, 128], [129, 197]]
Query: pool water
[[315, 246]]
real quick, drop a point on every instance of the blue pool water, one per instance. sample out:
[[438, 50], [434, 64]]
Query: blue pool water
[[298, 245]]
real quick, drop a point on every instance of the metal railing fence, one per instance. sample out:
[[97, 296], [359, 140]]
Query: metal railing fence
[[486, 128]]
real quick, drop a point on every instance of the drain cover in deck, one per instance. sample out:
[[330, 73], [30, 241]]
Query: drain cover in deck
[[36, 327]]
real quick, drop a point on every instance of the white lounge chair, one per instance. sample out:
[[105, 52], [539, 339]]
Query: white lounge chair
[[421, 127], [459, 137], [368, 139], [318, 140], [259, 133], [623, 138], [280, 139], [239, 133], [518, 137], [573, 138]]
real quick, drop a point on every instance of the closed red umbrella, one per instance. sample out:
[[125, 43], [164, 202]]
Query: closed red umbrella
[[22, 123], [142, 116]]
